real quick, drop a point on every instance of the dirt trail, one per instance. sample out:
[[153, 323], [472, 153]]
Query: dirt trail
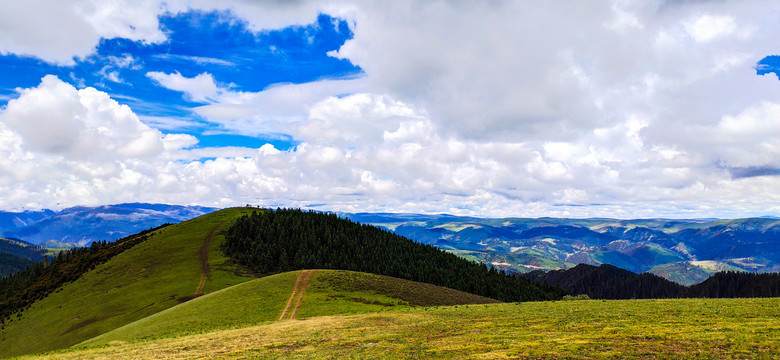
[[204, 262], [301, 283]]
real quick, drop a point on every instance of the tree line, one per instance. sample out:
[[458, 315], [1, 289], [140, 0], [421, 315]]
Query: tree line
[[610, 282], [20, 290], [273, 241]]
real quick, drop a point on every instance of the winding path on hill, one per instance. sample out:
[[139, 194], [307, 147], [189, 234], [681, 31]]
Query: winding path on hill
[[204, 262], [301, 283]]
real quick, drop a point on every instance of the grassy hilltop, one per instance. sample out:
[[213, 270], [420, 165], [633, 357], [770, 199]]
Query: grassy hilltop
[[176, 295], [152, 276]]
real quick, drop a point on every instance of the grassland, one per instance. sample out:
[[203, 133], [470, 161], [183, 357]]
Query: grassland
[[262, 300], [155, 275], [595, 329]]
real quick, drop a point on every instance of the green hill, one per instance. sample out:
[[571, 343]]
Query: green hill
[[327, 292], [289, 239], [123, 295], [595, 329], [159, 273]]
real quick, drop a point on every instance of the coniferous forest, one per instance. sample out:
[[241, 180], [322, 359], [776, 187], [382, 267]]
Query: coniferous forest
[[271, 241], [610, 282]]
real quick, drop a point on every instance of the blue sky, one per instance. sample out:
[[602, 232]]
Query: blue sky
[[215, 42], [610, 109]]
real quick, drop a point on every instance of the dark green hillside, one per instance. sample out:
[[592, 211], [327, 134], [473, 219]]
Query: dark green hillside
[[610, 282], [730, 284], [22, 249], [286, 240], [10, 264]]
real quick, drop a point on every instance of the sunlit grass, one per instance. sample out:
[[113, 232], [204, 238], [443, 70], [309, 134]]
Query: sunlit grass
[[148, 278], [641, 329]]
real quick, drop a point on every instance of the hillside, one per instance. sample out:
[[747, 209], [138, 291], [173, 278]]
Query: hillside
[[610, 282], [327, 292], [10, 264], [684, 251], [286, 239], [177, 263], [625, 329], [17, 255], [92, 291]]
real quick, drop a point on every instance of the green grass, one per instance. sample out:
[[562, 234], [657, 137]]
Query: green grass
[[263, 300], [150, 277], [246, 304], [594, 329], [346, 292]]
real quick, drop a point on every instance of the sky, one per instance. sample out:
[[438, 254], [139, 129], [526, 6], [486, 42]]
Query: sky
[[621, 109]]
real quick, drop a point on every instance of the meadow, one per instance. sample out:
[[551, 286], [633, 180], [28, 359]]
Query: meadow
[[157, 274], [590, 329]]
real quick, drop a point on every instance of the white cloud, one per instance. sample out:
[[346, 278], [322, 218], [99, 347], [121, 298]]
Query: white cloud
[[58, 31], [707, 27], [498, 108], [200, 88], [56, 118]]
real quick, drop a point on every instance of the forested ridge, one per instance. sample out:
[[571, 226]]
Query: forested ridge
[[610, 282], [10, 263], [20, 290], [271, 241]]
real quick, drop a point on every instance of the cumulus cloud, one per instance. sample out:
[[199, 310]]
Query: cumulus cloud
[[610, 108], [35, 28], [57, 118]]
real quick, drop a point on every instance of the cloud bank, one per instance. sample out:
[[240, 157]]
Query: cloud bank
[[611, 108]]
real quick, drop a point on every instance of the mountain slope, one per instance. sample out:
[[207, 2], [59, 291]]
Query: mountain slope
[[284, 240], [154, 275], [609, 282], [17, 255], [10, 264], [22, 249], [328, 292], [179, 263]]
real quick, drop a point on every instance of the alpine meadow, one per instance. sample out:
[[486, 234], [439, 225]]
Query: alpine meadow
[[341, 179]]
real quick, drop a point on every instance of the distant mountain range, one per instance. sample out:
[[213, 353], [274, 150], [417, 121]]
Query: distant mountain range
[[82, 225], [683, 251]]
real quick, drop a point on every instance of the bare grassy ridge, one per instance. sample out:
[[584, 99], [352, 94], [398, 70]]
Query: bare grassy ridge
[[595, 329]]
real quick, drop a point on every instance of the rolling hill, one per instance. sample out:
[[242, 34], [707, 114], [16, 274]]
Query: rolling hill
[[159, 273], [610, 282], [168, 283], [684, 251], [264, 300]]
